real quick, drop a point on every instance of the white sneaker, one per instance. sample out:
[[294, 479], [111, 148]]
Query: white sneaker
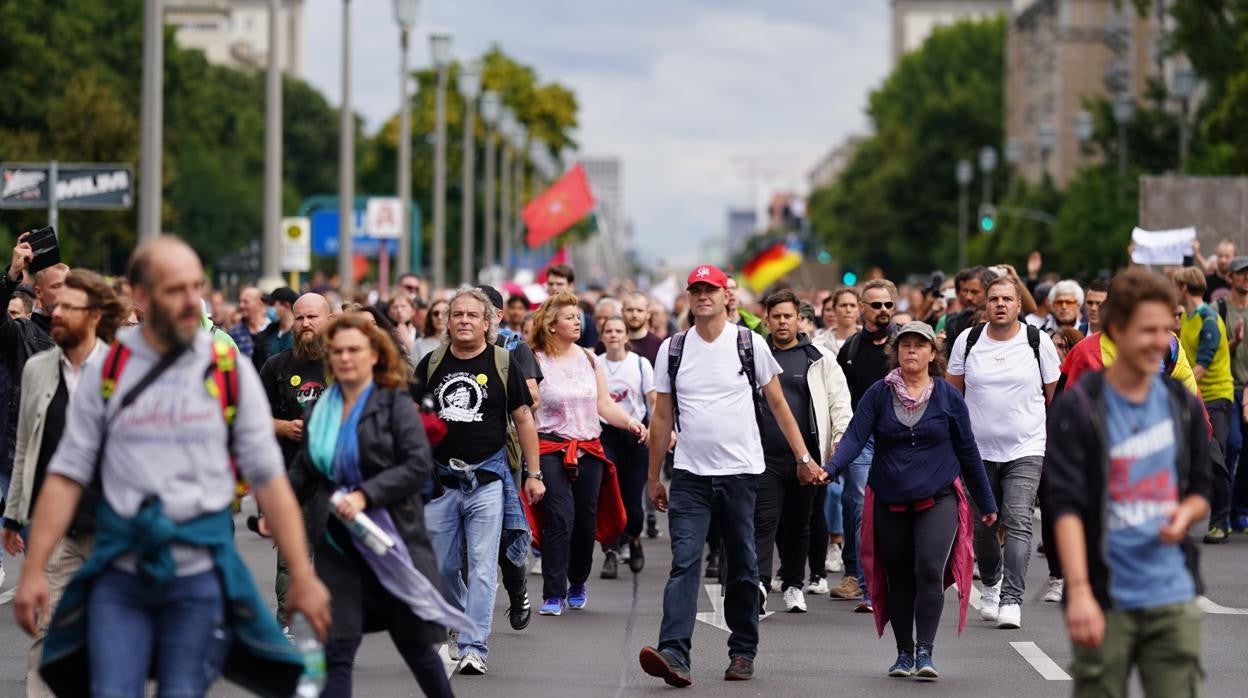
[[794, 600], [989, 601], [1010, 616], [452, 645], [1053, 592], [818, 587], [472, 664], [762, 599], [777, 585], [834, 563]]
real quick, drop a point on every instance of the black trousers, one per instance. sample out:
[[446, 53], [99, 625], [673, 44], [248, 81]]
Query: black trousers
[[1047, 536], [783, 503], [423, 661], [818, 535], [631, 459], [1220, 502], [570, 520], [915, 547]]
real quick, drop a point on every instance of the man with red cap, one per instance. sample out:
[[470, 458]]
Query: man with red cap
[[710, 382]]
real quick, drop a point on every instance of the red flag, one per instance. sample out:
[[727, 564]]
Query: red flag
[[558, 208], [559, 257]]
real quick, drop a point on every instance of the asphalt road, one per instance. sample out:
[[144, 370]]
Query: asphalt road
[[827, 650]]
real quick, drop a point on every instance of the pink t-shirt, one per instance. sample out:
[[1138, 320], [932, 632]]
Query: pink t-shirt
[[569, 397]]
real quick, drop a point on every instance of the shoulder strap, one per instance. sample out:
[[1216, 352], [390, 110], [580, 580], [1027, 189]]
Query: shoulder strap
[[435, 360], [221, 379], [674, 349], [1033, 338], [502, 364], [976, 332], [745, 352], [1222, 309], [114, 363], [852, 343]]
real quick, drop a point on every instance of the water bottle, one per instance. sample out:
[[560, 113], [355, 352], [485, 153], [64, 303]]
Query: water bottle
[[313, 679], [363, 528]]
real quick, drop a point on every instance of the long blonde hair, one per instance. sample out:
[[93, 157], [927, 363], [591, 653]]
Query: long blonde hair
[[543, 339]]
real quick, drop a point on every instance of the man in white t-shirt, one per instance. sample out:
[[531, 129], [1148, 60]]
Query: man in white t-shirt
[[1008, 375], [718, 460]]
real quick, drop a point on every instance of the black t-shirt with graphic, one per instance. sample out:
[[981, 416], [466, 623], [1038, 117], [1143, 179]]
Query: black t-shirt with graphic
[[292, 388], [470, 398]]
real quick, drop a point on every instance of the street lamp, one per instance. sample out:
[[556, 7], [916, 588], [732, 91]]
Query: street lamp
[[151, 120], [963, 173], [520, 137], [273, 145], [1124, 113], [440, 50], [1013, 156], [987, 164], [405, 16], [1184, 87], [469, 86], [506, 125], [346, 165], [491, 110]]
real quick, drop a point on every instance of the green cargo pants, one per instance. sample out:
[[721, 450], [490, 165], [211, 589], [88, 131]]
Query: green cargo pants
[[1164, 643]]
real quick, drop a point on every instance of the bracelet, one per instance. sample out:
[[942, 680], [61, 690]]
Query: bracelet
[[535, 476]]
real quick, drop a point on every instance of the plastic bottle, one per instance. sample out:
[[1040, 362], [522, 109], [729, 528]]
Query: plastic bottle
[[313, 653], [363, 528]]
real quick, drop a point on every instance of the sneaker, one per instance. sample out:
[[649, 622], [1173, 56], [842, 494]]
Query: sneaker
[[777, 585], [923, 666], [623, 552], [636, 556], [818, 587], [652, 529], [452, 645], [864, 606], [1239, 523], [739, 669], [848, 589], [535, 568], [1010, 616], [712, 566], [1053, 590], [1216, 536], [521, 611], [578, 597], [989, 601], [903, 667], [472, 664], [552, 606], [762, 599], [833, 563], [659, 664], [610, 566], [794, 600]]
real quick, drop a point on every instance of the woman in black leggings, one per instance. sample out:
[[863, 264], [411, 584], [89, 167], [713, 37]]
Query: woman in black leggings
[[916, 522]]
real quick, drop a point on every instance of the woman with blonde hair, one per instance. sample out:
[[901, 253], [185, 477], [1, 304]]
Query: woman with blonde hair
[[582, 501]]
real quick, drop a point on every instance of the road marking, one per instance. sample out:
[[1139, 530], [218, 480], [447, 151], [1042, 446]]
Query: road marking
[[975, 596], [444, 651], [1040, 661], [716, 617], [1205, 604], [7, 596]]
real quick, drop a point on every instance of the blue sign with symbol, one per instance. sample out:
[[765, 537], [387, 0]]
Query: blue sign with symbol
[[325, 235]]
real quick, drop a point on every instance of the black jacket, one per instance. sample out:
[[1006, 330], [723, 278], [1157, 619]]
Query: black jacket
[[19, 340], [1078, 462], [396, 463]]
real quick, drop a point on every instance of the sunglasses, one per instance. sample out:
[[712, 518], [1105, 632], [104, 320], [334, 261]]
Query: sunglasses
[[412, 289], [1065, 304], [881, 305]]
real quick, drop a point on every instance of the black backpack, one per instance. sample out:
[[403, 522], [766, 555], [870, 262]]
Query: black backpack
[[1033, 339], [745, 352]]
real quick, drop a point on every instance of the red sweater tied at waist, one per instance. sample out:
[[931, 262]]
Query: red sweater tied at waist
[[611, 515]]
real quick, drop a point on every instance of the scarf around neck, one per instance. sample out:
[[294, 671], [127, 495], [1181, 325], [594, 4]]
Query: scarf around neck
[[898, 384], [332, 442]]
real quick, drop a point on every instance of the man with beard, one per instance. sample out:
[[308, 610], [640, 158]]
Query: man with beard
[[293, 380], [164, 446], [85, 319], [637, 320]]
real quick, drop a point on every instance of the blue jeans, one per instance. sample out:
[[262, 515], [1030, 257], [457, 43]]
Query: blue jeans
[[1014, 486], [456, 521], [1234, 448], [851, 501], [688, 517], [181, 625], [832, 507]]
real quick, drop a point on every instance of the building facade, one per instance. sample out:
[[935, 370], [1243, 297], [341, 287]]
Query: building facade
[[830, 166], [235, 33], [914, 20]]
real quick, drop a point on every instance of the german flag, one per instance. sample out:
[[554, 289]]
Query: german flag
[[770, 265]]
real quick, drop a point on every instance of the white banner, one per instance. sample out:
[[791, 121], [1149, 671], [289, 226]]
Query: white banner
[[1162, 247], [296, 244], [381, 218]]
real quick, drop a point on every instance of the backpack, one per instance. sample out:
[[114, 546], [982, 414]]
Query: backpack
[[502, 364], [745, 352], [1033, 339]]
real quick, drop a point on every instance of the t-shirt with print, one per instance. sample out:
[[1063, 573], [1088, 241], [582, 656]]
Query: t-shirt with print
[[629, 380], [718, 429], [469, 397], [1143, 490], [1003, 392], [292, 388]]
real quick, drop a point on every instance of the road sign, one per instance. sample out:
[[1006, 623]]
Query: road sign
[[296, 244], [82, 186], [382, 218]]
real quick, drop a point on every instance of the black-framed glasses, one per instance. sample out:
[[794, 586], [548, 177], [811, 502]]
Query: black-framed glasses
[[881, 305], [75, 308]]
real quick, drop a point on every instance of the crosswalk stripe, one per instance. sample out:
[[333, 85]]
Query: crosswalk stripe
[[1207, 605], [1040, 661]]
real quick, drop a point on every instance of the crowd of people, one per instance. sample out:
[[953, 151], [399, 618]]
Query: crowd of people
[[408, 449]]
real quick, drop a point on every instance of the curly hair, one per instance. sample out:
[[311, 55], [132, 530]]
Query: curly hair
[[543, 339], [100, 299], [391, 370], [488, 313]]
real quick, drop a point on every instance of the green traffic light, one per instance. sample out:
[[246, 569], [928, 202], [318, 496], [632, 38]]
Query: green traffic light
[[987, 224], [849, 278], [825, 257]]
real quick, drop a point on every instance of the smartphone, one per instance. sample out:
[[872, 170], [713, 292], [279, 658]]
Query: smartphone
[[45, 248]]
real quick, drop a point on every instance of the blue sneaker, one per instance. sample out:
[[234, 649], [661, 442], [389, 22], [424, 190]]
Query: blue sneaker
[[552, 606], [1239, 523], [578, 597], [924, 668], [903, 667]]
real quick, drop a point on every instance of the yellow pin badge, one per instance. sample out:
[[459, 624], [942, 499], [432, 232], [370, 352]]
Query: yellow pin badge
[[481, 379], [295, 381]]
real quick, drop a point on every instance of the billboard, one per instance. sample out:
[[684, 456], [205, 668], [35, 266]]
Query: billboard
[[77, 185]]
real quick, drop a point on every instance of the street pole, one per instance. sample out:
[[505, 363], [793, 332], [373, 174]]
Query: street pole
[[987, 165], [405, 158], [151, 122], [518, 183], [273, 145], [1124, 113], [346, 165], [491, 104], [441, 45], [53, 209], [469, 85], [504, 206], [964, 172]]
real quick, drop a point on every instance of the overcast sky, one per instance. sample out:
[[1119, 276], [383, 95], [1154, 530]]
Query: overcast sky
[[692, 95]]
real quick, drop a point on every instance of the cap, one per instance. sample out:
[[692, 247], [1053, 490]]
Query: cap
[[284, 294], [1239, 264], [806, 310], [707, 274], [922, 329], [949, 295], [492, 293]]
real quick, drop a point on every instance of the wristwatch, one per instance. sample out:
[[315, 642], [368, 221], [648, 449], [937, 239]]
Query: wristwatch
[[536, 476], [804, 459]]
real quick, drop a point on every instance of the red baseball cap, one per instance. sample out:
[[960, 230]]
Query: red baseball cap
[[707, 274]]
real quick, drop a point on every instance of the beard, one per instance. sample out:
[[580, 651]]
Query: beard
[[166, 324], [308, 350], [67, 337]]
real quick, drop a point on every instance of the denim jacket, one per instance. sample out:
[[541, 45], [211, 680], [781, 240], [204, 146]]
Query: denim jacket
[[516, 534]]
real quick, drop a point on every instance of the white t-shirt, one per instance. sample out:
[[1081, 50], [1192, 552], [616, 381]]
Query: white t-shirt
[[1003, 392], [628, 381], [718, 429]]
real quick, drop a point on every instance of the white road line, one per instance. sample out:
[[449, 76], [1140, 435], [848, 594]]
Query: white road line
[[975, 595], [1040, 661], [7, 596], [447, 663], [716, 617], [1208, 606]]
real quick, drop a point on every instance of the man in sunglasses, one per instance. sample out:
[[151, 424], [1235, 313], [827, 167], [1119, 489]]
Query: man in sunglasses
[[864, 362]]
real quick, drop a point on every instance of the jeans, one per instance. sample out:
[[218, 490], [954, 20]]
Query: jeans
[[1163, 643], [832, 508], [851, 501], [631, 460], [1014, 485], [915, 547], [181, 625], [783, 503], [570, 523], [1220, 501], [818, 545], [1235, 447], [689, 516], [473, 522]]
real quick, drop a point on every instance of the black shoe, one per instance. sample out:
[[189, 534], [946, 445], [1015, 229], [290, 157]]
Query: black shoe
[[655, 663], [521, 612], [712, 566], [611, 566], [739, 669], [636, 557], [1217, 536], [652, 526]]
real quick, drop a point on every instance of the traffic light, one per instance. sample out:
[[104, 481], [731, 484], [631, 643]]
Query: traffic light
[[849, 278], [987, 219]]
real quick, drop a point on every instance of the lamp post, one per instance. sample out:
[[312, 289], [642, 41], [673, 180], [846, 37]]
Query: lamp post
[[520, 139], [507, 124], [1184, 86], [273, 144], [1013, 157], [987, 165], [491, 107], [1124, 114], [469, 86], [963, 173], [151, 120], [1084, 129], [405, 15], [440, 49], [346, 164]]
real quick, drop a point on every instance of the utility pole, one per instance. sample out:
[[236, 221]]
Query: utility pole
[[346, 165], [405, 15], [440, 45], [151, 122], [505, 199], [964, 173], [491, 104], [273, 145], [469, 85]]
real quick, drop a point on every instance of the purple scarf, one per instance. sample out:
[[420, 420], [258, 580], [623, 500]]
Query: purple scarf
[[895, 381]]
